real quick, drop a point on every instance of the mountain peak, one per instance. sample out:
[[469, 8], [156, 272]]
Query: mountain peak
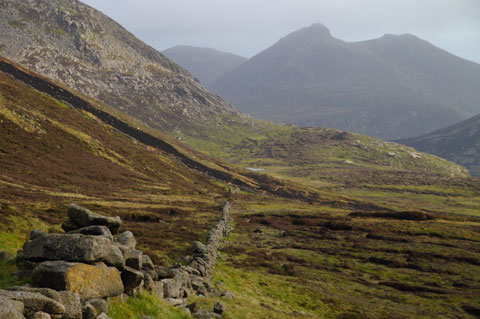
[[318, 28], [404, 36], [314, 32]]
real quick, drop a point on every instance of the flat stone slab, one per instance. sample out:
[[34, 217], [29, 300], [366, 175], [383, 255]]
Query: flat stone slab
[[86, 280], [69, 247]]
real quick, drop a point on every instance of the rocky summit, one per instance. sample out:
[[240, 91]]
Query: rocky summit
[[84, 49], [393, 87]]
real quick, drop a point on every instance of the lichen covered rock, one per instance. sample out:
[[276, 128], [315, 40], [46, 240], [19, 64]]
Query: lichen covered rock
[[86, 280]]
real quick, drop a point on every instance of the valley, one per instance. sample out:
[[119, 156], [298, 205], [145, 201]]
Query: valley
[[332, 224]]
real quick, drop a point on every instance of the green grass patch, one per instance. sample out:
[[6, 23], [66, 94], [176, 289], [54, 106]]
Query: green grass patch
[[260, 295], [6, 278], [145, 305]]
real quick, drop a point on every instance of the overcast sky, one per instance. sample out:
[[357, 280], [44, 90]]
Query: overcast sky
[[246, 27]]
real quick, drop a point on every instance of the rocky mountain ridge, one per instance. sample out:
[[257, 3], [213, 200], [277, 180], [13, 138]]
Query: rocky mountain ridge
[[76, 45], [392, 87]]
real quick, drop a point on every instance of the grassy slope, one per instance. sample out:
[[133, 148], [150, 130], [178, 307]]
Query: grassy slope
[[334, 162], [330, 264], [52, 156], [286, 258]]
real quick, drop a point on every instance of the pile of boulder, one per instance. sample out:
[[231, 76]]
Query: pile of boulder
[[75, 274]]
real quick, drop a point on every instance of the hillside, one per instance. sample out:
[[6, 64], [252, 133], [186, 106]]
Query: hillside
[[205, 64], [52, 155], [80, 47], [331, 225], [168, 100], [392, 87], [324, 256], [459, 143]]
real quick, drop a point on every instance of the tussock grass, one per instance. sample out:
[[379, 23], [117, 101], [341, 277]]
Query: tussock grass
[[145, 305]]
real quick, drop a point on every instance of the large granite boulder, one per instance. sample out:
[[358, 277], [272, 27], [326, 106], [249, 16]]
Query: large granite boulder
[[86, 280], [82, 217], [69, 247]]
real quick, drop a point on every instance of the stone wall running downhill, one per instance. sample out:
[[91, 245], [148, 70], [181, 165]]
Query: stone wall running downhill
[[76, 274]]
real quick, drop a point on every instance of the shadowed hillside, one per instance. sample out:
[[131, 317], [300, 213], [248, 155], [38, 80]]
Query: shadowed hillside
[[459, 143], [205, 64]]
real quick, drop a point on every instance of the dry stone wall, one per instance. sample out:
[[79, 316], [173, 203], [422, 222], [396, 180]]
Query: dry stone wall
[[75, 274]]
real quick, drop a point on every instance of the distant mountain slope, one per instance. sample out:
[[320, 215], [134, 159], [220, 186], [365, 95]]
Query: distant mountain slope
[[59, 147], [392, 87], [205, 64], [459, 143], [87, 51], [75, 44]]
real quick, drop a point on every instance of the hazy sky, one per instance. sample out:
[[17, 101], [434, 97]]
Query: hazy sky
[[247, 27]]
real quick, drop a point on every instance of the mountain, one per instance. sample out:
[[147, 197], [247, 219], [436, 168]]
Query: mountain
[[459, 143], [335, 224], [205, 64], [323, 254], [391, 87], [85, 50], [79, 46]]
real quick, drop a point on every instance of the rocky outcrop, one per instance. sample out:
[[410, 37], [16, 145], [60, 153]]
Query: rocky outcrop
[[76, 273], [70, 300], [85, 50]]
